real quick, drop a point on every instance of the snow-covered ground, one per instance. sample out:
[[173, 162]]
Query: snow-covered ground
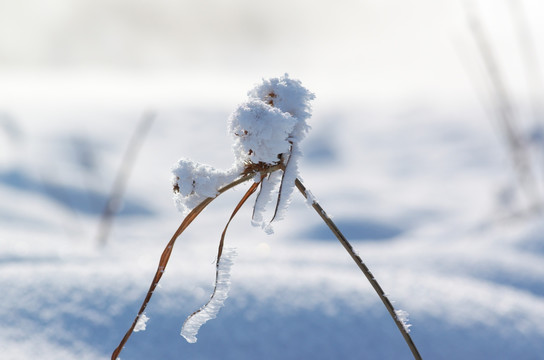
[[416, 193], [401, 154]]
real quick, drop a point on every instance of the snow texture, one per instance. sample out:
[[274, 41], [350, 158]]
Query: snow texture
[[141, 323], [194, 182], [310, 198], [269, 185], [400, 133], [267, 129], [261, 132], [209, 311], [288, 182], [402, 316], [471, 279], [289, 96]]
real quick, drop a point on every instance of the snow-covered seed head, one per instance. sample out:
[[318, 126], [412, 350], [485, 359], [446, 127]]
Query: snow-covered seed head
[[273, 118], [261, 132], [286, 94], [193, 182], [267, 130]]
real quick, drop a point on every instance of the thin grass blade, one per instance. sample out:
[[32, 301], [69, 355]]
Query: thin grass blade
[[169, 247], [121, 179], [192, 325], [394, 313], [160, 270]]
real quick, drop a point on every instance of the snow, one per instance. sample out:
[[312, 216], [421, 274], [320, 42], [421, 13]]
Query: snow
[[403, 317], [287, 185], [261, 132], [265, 196], [209, 311], [267, 130], [420, 207], [141, 323], [401, 155], [194, 182], [310, 198]]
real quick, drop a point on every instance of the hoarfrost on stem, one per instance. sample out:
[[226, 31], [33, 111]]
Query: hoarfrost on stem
[[403, 317], [267, 130], [310, 198], [194, 182], [141, 323], [209, 311], [264, 198]]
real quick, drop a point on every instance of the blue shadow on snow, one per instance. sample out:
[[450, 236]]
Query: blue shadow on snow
[[355, 229], [85, 201]]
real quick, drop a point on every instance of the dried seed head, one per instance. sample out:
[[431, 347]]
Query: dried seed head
[[267, 129], [193, 182], [270, 98], [261, 132], [176, 186], [286, 94]]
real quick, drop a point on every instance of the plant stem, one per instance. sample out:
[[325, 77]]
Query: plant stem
[[249, 192], [165, 257], [504, 104], [363, 268], [121, 179]]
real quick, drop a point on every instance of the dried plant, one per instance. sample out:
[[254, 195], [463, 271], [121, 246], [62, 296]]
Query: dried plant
[[119, 185], [267, 130], [508, 121]]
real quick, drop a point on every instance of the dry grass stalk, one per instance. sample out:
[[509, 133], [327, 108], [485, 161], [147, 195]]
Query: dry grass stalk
[[120, 182], [345, 243], [165, 257], [199, 208], [246, 196], [528, 49], [263, 149], [507, 119]]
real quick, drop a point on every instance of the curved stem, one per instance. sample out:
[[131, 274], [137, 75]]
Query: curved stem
[[363, 268], [160, 271], [246, 196], [169, 247]]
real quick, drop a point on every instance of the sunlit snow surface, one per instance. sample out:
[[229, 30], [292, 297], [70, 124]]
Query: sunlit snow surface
[[414, 189]]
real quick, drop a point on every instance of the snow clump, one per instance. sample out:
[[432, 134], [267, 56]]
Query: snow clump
[[193, 182], [402, 316], [261, 132], [267, 130], [141, 323]]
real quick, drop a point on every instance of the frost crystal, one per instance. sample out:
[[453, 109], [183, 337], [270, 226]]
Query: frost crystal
[[264, 198], [402, 316], [141, 323], [261, 132], [209, 311], [310, 198], [193, 182], [267, 130], [286, 94]]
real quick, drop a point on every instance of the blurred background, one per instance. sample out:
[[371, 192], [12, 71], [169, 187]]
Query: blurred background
[[427, 146], [172, 51]]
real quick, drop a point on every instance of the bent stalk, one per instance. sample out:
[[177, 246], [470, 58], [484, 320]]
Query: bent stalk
[[191, 333], [165, 257], [363, 268]]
